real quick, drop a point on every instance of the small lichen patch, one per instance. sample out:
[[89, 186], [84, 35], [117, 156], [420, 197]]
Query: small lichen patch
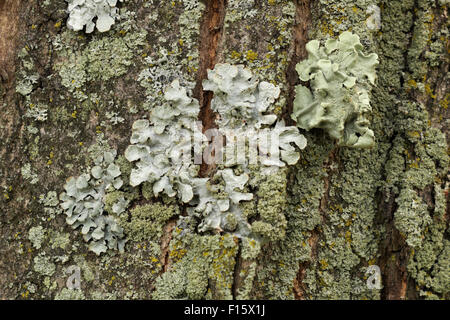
[[36, 235], [147, 221], [70, 294], [209, 261], [44, 266]]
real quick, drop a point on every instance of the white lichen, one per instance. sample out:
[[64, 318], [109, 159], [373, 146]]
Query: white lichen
[[83, 12], [37, 112]]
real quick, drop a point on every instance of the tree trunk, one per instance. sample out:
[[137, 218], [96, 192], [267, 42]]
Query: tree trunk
[[338, 216]]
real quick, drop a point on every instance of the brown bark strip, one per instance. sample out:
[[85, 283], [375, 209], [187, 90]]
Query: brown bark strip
[[300, 37], [165, 243], [210, 34], [10, 143], [9, 18], [394, 254], [10, 119], [299, 287]]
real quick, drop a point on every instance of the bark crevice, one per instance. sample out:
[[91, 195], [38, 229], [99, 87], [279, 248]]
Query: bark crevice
[[211, 29], [299, 53]]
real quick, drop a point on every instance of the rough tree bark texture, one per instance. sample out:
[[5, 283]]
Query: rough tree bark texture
[[65, 95]]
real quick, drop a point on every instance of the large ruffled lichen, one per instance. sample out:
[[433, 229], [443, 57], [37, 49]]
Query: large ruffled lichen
[[244, 106], [340, 76], [82, 13], [217, 205], [161, 146], [83, 202], [161, 149], [239, 98]]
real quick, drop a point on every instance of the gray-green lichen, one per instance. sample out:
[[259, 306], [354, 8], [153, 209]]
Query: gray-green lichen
[[83, 202], [340, 75], [102, 59], [161, 146], [239, 98], [36, 235], [146, 222], [245, 107], [205, 266], [43, 265]]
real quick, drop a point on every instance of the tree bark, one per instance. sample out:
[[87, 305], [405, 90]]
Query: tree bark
[[345, 209]]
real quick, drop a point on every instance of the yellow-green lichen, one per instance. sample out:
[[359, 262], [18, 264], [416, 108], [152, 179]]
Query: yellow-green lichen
[[206, 270], [146, 222], [43, 265], [70, 294], [271, 205], [340, 76], [36, 235]]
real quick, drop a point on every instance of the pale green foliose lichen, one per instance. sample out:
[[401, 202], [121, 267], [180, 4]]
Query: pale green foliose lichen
[[340, 75], [83, 202], [245, 107], [158, 146], [239, 98], [161, 146]]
